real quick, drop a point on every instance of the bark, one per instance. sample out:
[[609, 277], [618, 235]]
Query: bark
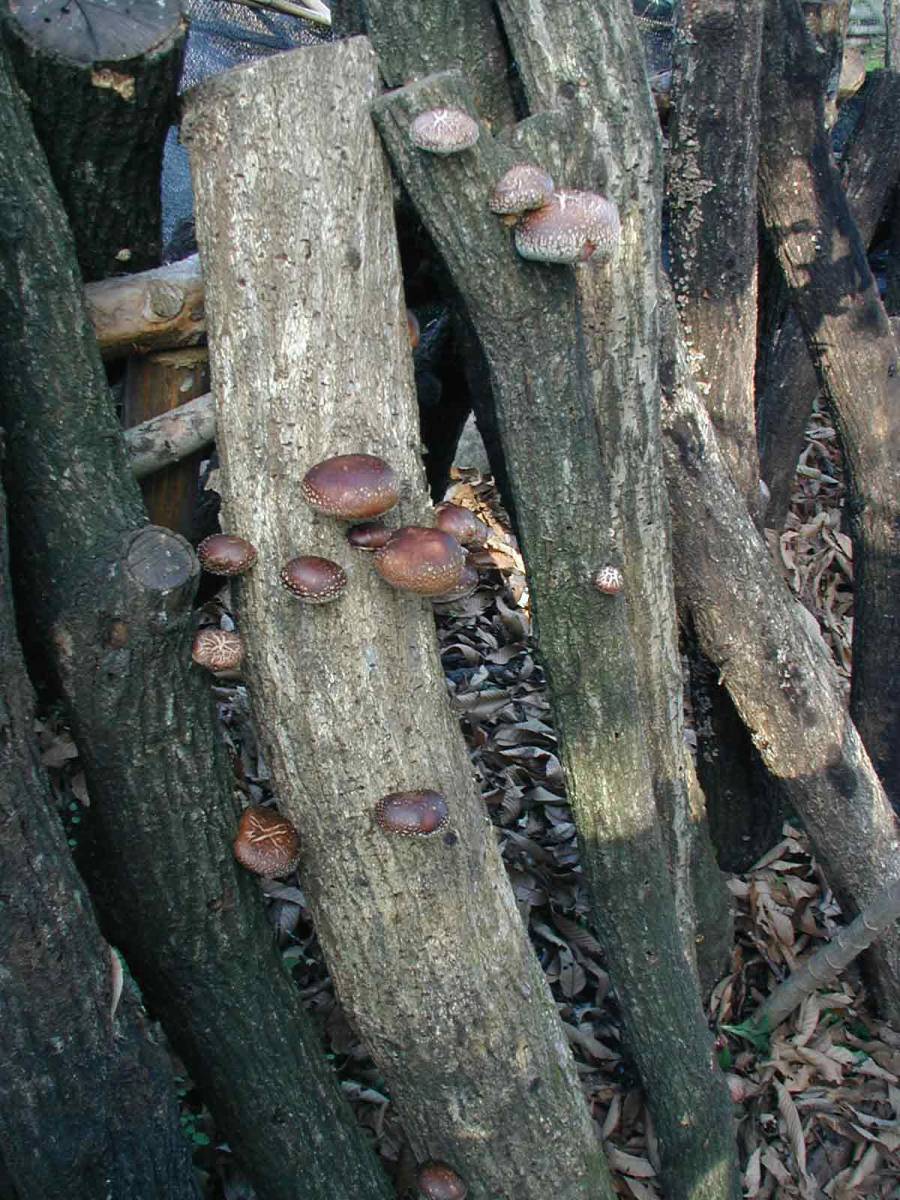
[[423, 938], [108, 600], [159, 309], [461, 34], [603, 151], [87, 1107], [851, 342], [779, 673], [534, 323], [171, 437], [870, 171], [714, 141], [156, 384], [829, 960], [102, 84], [892, 34]]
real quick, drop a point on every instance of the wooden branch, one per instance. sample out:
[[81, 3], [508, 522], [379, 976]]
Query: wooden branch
[[780, 675], [109, 606], [167, 439], [829, 960], [154, 310], [350, 697], [847, 331], [102, 81], [533, 323]]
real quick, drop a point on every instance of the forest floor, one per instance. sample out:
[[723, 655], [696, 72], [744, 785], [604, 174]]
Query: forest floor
[[818, 1108]]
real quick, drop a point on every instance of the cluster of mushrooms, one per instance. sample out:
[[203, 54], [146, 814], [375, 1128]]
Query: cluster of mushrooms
[[551, 226]]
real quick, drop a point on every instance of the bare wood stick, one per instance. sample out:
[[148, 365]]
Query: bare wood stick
[[153, 310], [831, 959], [170, 437]]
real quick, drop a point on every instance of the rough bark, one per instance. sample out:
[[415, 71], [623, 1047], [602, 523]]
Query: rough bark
[[87, 1107], [534, 324], [109, 600], [422, 937], [460, 34], [164, 440], [851, 342], [582, 63], [156, 384], [829, 960], [102, 83], [714, 141], [892, 35], [870, 170], [159, 309], [779, 673]]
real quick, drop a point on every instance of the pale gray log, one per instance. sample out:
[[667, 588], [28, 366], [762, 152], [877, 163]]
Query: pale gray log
[[310, 358], [150, 310], [171, 436]]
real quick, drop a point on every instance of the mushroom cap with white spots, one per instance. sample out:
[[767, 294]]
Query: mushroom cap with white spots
[[427, 561], [352, 487], [217, 649], [313, 579], [523, 187], [574, 227], [609, 580], [444, 131]]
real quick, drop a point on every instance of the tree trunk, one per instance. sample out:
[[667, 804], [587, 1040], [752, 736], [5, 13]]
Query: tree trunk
[[534, 324], [850, 340], [102, 82], [108, 600], [156, 384], [87, 1107], [714, 140], [154, 310], [422, 937], [870, 170], [780, 674], [892, 34]]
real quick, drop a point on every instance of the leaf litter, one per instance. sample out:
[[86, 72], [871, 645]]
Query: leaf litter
[[817, 1108]]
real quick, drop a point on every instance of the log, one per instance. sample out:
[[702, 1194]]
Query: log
[[158, 443], [156, 384], [535, 324], [779, 674], [102, 81], [422, 936], [109, 605], [88, 1105], [870, 170], [850, 340], [160, 309]]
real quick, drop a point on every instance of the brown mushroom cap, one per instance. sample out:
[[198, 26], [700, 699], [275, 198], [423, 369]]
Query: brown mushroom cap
[[266, 843], [351, 487], [609, 580], [313, 579], [226, 554], [444, 131], [573, 227], [467, 584], [437, 1181], [412, 814], [415, 559], [523, 187], [462, 524], [217, 650], [413, 329], [371, 535]]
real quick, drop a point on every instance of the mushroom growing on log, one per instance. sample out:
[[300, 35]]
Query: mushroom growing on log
[[217, 650], [462, 524], [574, 227], [437, 1181], [226, 554], [444, 131], [412, 814], [415, 559], [266, 843], [313, 579], [352, 487]]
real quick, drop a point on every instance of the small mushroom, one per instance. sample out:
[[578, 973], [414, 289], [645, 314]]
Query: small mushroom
[[412, 814], [312, 579], [444, 131], [609, 580], [371, 535], [574, 227], [462, 524], [437, 1181], [413, 329], [352, 487], [226, 554], [415, 559], [522, 188], [467, 584], [217, 649], [266, 843]]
